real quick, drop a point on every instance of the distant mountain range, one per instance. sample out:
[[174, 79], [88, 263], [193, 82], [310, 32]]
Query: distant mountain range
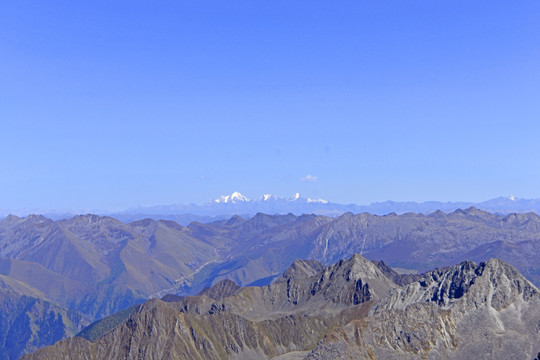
[[226, 206]]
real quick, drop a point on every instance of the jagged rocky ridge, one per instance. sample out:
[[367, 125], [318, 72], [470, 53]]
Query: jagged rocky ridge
[[349, 310]]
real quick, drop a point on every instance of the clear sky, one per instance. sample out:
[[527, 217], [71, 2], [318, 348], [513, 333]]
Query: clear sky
[[113, 104]]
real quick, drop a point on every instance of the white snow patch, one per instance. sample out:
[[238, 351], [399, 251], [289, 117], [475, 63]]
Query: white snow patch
[[267, 197], [233, 198]]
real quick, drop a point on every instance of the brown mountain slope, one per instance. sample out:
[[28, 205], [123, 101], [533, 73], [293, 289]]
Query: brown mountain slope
[[254, 322], [349, 310], [98, 265], [91, 263], [262, 247]]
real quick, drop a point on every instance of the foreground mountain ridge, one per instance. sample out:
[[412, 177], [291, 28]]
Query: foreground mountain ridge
[[349, 310], [467, 311]]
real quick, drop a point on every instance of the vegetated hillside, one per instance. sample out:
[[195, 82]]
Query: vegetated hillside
[[95, 266], [28, 321], [347, 310], [90, 266], [98, 265]]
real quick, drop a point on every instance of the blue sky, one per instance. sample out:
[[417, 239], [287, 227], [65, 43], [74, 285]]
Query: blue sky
[[113, 104]]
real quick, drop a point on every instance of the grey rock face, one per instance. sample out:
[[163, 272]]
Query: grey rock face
[[466, 311]]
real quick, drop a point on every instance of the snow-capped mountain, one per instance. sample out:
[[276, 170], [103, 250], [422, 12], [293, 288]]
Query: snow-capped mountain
[[237, 197], [236, 203], [233, 198]]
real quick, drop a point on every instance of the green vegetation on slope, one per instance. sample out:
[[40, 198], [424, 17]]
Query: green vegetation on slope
[[99, 328]]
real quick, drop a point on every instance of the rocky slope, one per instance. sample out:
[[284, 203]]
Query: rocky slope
[[350, 310], [485, 311]]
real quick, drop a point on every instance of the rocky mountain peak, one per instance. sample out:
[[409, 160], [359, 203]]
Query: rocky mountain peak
[[146, 227], [37, 219], [91, 219], [399, 279], [221, 290], [505, 284], [496, 283], [235, 220], [300, 269], [474, 211], [147, 222], [437, 214], [362, 279], [358, 266], [10, 219]]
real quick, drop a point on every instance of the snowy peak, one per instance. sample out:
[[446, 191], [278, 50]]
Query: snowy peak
[[235, 197], [269, 197], [226, 206]]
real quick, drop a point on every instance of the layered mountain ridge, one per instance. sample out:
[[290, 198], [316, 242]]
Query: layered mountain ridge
[[347, 310], [92, 266], [225, 206]]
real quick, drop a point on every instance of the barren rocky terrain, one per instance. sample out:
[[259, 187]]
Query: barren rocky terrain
[[349, 310]]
